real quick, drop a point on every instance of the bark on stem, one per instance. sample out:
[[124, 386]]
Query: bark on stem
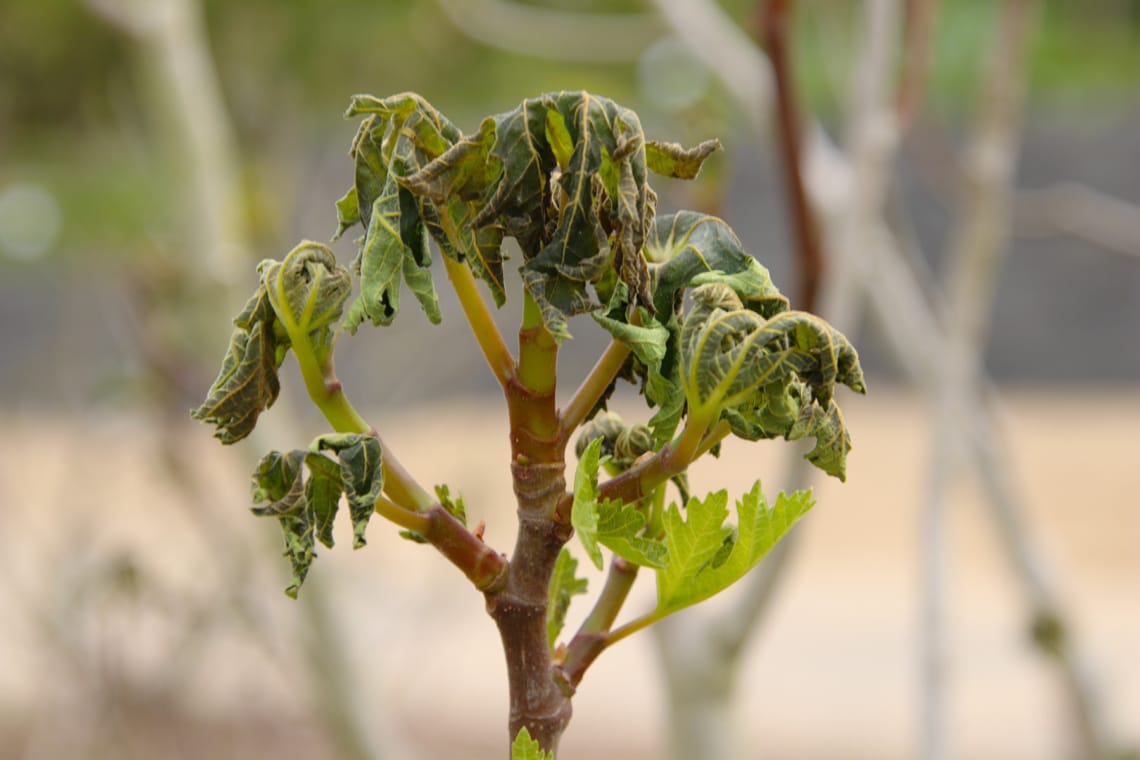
[[537, 701]]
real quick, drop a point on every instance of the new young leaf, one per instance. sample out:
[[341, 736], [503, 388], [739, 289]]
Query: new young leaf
[[584, 512], [526, 748], [704, 560], [564, 585]]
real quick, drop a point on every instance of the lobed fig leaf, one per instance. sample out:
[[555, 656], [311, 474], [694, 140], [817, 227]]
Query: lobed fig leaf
[[706, 555], [526, 748], [617, 526]]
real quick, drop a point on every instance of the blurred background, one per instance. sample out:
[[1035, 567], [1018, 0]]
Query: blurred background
[[972, 173]]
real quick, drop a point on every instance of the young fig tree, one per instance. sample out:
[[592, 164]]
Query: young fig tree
[[696, 324]]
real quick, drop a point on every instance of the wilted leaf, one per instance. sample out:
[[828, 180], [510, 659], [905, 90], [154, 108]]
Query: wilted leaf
[[647, 340], [685, 246], [452, 189], [347, 212], [362, 474], [524, 161], [402, 134], [322, 492], [247, 383], [672, 160], [307, 290], [832, 441], [278, 480]]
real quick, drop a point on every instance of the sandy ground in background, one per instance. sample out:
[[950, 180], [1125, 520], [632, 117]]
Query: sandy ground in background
[[834, 674]]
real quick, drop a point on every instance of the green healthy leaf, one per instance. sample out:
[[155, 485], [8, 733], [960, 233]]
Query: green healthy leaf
[[584, 512], [672, 160], [247, 383], [361, 472], [454, 506], [706, 556], [620, 529], [759, 528], [526, 748], [564, 585], [692, 544], [616, 526]]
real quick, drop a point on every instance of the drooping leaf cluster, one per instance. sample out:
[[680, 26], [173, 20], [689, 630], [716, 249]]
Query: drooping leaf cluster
[[337, 464], [738, 353], [297, 299], [710, 336], [768, 377], [564, 174]]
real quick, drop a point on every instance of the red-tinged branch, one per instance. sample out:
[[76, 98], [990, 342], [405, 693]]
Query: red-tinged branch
[[518, 606], [591, 637], [917, 44], [773, 32], [482, 565], [327, 394]]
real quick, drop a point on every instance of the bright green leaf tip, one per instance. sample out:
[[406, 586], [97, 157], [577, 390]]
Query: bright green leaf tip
[[526, 748]]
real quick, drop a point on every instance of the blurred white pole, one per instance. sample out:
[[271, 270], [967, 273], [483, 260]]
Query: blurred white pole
[[216, 262], [978, 249], [172, 34]]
